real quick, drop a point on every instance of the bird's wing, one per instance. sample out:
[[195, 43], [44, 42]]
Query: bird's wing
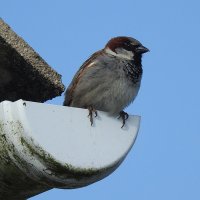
[[87, 64]]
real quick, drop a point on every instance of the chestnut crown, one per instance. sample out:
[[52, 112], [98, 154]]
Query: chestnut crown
[[126, 43]]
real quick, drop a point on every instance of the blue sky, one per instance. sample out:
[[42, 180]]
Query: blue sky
[[164, 162]]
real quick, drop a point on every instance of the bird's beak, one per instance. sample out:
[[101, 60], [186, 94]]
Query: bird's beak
[[142, 49]]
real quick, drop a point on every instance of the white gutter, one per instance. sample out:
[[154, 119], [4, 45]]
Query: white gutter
[[47, 146]]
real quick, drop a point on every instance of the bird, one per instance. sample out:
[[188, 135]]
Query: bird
[[109, 80]]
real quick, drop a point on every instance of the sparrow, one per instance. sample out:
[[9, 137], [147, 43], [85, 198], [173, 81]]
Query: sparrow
[[109, 80]]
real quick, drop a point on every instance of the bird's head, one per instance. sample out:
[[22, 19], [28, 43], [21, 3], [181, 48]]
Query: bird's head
[[125, 47]]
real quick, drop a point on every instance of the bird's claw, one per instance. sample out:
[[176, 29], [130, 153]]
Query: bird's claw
[[90, 115], [124, 117]]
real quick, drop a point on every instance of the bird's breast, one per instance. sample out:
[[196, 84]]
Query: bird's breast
[[132, 71]]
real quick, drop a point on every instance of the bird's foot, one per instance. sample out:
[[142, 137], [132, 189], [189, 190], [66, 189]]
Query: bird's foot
[[124, 117], [90, 115]]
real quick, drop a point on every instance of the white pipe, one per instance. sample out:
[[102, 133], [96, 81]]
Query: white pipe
[[47, 146]]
